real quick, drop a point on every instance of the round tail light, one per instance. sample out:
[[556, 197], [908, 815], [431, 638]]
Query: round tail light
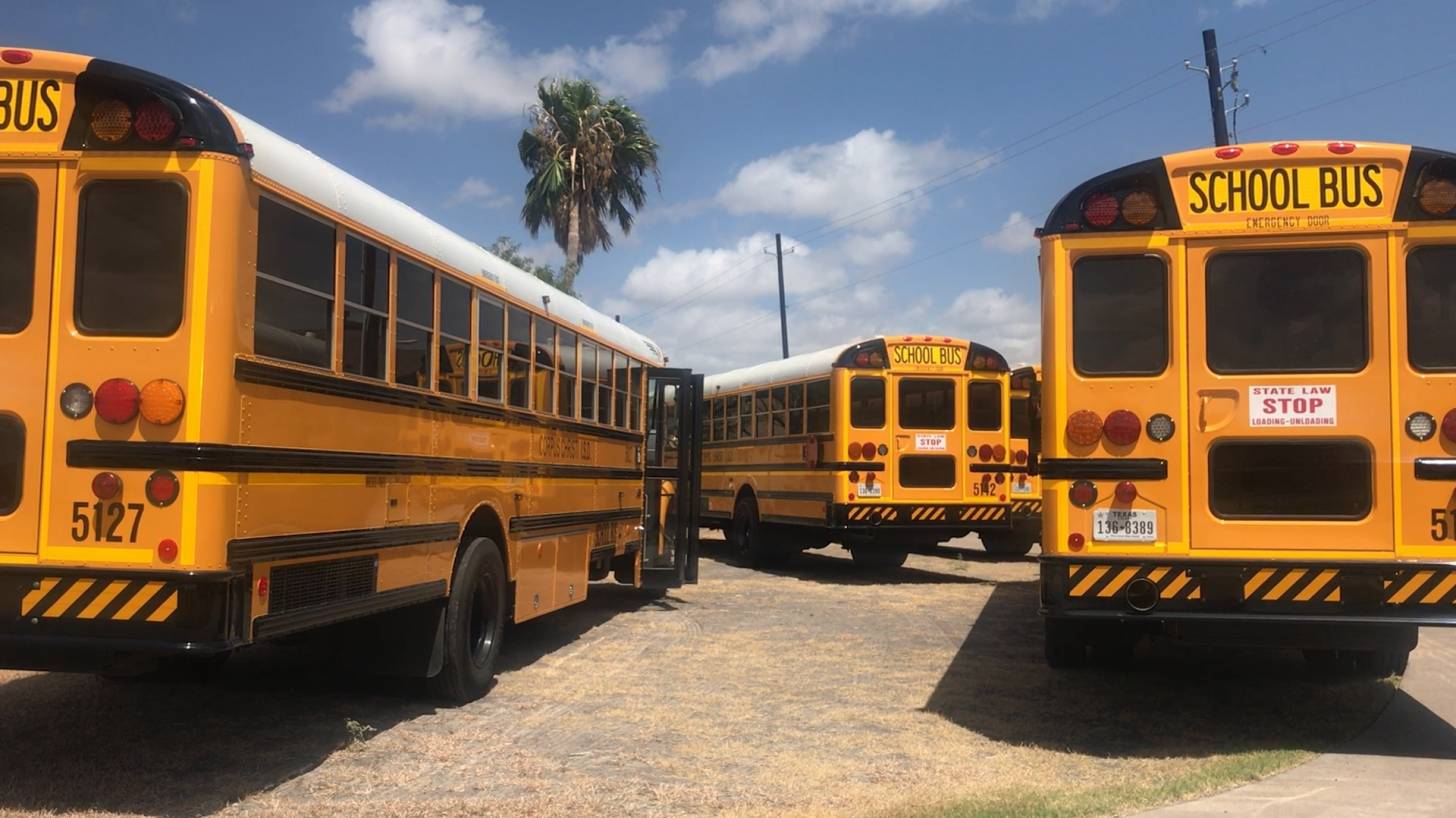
[[1420, 426], [111, 120], [867, 451], [998, 452], [1083, 493], [154, 121], [985, 452], [854, 451], [1100, 209], [1139, 208], [106, 485], [162, 402], [1160, 428], [163, 488], [1020, 457], [1084, 427], [167, 550], [854, 477], [1000, 477], [1075, 542], [118, 401], [77, 400], [1437, 196], [1448, 425], [1125, 492], [1122, 428]]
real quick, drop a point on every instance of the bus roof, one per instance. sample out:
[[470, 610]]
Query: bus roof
[[819, 363], [301, 171]]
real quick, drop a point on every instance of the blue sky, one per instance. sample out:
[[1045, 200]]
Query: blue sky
[[788, 116]]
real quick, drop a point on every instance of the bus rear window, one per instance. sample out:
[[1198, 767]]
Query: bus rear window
[[1021, 418], [1120, 315], [1287, 311], [1430, 298], [927, 471], [1290, 480], [983, 406], [17, 254], [132, 256], [12, 462], [927, 403], [867, 403]]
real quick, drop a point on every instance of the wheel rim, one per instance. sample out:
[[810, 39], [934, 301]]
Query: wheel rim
[[482, 620]]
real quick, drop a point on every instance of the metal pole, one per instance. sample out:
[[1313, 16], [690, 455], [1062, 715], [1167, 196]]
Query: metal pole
[[783, 312], [1215, 87]]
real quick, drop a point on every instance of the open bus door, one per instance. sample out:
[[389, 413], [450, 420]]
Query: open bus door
[[670, 486]]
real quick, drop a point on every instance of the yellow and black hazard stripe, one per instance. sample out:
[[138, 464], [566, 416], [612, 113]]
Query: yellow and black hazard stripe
[[84, 598], [928, 514], [1025, 507], [981, 514], [871, 513], [1105, 581]]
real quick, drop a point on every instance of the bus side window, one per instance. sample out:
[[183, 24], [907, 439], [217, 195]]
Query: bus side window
[[414, 323], [543, 383], [796, 409], [454, 375], [1120, 315], [817, 401], [780, 413], [634, 395], [867, 402], [366, 307], [588, 380], [492, 328], [518, 356], [760, 413], [619, 376], [745, 415], [604, 386], [1430, 295], [705, 435], [294, 302], [566, 359], [983, 406], [728, 418]]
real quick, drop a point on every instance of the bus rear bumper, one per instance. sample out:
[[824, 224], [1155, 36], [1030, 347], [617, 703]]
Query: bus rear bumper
[[1180, 593], [920, 517], [94, 620]]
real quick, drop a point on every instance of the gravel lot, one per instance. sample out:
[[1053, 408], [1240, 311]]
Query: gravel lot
[[820, 689]]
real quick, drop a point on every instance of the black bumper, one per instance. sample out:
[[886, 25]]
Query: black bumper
[[74, 619], [1233, 591], [870, 516]]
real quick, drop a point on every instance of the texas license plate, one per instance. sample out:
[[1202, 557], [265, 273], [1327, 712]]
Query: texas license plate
[[869, 490], [1124, 525]]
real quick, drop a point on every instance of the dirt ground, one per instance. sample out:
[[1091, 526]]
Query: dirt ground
[[816, 690]]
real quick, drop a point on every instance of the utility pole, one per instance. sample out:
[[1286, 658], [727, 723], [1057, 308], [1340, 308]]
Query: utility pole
[[783, 311], [1214, 72]]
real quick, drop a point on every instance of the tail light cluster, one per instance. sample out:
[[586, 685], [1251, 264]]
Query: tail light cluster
[[1120, 428], [1421, 426], [987, 453], [1136, 208], [119, 401], [867, 450], [1429, 189]]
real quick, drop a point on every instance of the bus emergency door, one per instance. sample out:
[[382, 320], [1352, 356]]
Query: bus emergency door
[[670, 485]]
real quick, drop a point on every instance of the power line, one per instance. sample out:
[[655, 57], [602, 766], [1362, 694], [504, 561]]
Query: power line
[[1370, 90]]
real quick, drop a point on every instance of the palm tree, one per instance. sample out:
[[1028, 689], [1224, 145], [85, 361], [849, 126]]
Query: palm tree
[[588, 158]]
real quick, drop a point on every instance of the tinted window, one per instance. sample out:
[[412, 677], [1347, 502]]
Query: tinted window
[[414, 336], [366, 307], [867, 403], [12, 462], [619, 411], [719, 427], [1290, 480], [17, 254], [927, 403], [817, 402], [518, 362], [588, 380], [544, 391], [745, 416], [1287, 311], [1021, 418], [132, 258], [983, 406], [1430, 298], [796, 409], [454, 353], [923, 471], [566, 356], [415, 300], [1120, 315], [760, 414], [295, 292], [492, 347]]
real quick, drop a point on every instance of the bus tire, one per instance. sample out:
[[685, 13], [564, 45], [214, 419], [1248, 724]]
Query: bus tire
[[878, 557], [475, 615], [1065, 647], [1378, 664], [1010, 543], [751, 544]]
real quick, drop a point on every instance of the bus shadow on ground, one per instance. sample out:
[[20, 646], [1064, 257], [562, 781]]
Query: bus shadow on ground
[[835, 570], [74, 742], [1170, 700]]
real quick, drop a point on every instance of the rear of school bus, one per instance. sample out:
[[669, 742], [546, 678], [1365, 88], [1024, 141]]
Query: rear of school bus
[[1248, 426], [924, 434], [107, 175], [1025, 487]]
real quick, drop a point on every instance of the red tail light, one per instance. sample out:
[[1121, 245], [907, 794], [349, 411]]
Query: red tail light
[[105, 485], [167, 550], [1122, 428], [1076, 541], [1020, 457], [1084, 427], [1100, 209], [154, 121], [854, 477], [1284, 148], [985, 452], [1000, 477], [163, 488], [118, 400], [1448, 425], [998, 452], [1125, 492], [262, 586], [854, 451], [1083, 493], [867, 451]]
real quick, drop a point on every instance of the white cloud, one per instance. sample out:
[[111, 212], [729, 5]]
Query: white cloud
[[1243, 4], [842, 178], [476, 191], [444, 62], [1038, 10], [1007, 322], [1016, 236], [761, 31], [738, 273]]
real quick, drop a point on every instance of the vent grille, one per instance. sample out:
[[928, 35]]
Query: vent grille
[[311, 584], [12, 462]]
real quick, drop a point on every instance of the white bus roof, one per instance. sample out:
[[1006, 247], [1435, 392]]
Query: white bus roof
[[792, 368], [299, 170]]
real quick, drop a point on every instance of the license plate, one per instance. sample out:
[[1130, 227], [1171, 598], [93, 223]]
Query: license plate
[[1124, 525], [869, 489], [1021, 486]]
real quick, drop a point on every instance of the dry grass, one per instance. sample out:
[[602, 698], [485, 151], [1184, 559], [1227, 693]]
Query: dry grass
[[816, 691]]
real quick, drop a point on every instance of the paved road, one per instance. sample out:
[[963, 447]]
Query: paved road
[[1404, 765]]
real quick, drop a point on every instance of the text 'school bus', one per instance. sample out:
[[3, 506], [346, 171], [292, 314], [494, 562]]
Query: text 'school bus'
[[1025, 487], [886, 446], [247, 395], [1249, 403]]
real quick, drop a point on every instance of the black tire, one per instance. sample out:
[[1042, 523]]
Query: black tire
[[475, 616], [1378, 664], [879, 557], [1011, 543], [1327, 663], [750, 544], [1065, 647]]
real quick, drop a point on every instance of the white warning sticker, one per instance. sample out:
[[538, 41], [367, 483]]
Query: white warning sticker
[[930, 443], [1292, 406]]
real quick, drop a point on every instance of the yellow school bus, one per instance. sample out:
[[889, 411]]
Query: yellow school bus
[[886, 446], [1025, 487], [248, 396], [1248, 426]]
